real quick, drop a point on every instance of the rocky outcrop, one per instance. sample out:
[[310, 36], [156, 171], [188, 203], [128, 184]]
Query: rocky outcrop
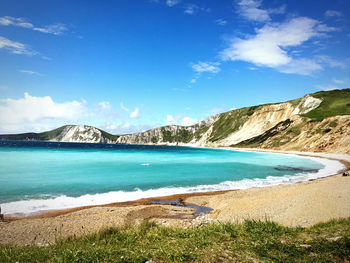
[[81, 133]]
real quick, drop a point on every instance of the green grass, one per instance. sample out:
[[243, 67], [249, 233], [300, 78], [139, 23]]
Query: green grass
[[251, 241], [108, 135], [335, 102]]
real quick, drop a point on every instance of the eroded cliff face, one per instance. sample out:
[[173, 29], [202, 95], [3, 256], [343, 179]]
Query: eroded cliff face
[[194, 135], [275, 126], [81, 133], [303, 134]]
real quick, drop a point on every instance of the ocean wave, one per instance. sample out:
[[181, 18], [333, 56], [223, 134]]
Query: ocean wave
[[28, 207]]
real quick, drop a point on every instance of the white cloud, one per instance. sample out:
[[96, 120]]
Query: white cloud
[[135, 113], [171, 120], [55, 29], [123, 107], [188, 121], [171, 3], [105, 105], [16, 47], [36, 113], [333, 13], [177, 119], [265, 48], [270, 46], [338, 81], [221, 22], [212, 67], [30, 72]]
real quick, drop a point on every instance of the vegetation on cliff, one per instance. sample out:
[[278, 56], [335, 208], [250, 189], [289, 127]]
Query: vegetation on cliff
[[334, 103]]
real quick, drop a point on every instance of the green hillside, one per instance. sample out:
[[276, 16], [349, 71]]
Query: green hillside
[[335, 102]]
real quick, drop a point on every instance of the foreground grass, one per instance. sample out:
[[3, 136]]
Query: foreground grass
[[252, 241]]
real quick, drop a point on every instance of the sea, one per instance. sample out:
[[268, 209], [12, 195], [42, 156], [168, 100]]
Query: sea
[[37, 176]]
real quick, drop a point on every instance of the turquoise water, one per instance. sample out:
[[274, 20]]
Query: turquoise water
[[38, 176]]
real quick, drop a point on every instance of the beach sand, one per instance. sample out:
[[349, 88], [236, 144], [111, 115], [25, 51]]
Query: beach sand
[[299, 204]]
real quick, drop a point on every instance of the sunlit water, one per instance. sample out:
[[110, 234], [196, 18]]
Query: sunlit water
[[39, 176]]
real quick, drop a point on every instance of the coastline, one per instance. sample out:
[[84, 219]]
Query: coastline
[[277, 203], [30, 208]]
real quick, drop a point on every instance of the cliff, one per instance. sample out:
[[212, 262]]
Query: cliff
[[315, 122]]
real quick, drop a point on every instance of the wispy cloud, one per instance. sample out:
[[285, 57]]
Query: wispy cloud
[[171, 3], [105, 105], [333, 13], [16, 47], [251, 10], [338, 81], [191, 9], [221, 22], [30, 72], [123, 107], [55, 29], [331, 62], [212, 67], [327, 87]]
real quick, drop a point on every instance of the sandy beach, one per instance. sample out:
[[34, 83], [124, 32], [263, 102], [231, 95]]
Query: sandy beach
[[299, 204]]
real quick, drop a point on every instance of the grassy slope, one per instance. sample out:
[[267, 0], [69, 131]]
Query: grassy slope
[[251, 241], [335, 102], [108, 135]]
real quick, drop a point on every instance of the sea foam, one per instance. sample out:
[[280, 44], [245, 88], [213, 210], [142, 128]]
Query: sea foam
[[27, 207]]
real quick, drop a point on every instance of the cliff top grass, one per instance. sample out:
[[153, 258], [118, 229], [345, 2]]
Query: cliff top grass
[[251, 241], [334, 102]]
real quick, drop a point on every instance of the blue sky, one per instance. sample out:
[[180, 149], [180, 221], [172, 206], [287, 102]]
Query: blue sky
[[126, 66]]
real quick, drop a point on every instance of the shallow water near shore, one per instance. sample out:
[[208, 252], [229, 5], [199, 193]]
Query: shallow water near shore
[[41, 176]]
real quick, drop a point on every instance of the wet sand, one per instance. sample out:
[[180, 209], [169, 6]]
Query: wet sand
[[298, 204]]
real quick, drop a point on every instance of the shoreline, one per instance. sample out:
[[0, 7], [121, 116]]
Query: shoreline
[[302, 203], [342, 158]]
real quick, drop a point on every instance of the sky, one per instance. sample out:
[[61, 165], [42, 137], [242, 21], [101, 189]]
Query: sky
[[130, 65]]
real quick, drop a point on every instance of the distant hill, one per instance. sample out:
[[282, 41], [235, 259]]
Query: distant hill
[[315, 122]]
